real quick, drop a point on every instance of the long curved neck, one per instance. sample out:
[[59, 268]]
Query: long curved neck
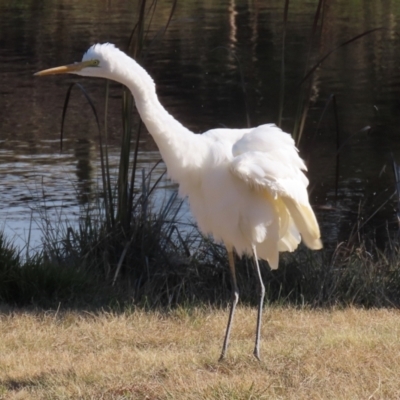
[[180, 148]]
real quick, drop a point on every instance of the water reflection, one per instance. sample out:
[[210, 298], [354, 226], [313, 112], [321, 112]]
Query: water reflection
[[217, 65], [84, 154]]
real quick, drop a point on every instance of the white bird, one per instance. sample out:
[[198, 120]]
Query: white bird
[[246, 187]]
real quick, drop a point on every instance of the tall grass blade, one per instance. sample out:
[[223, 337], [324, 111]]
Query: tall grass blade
[[125, 190], [304, 98], [338, 145], [108, 190], [282, 85], [396, 170], [135, 42], [102, 162], [121, 260], [321, 60], [162, 31], [65, 107], [134, 167], [123, 170], [366, 129], [304, 102]]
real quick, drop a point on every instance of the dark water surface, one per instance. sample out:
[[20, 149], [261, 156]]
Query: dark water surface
[[198, 66]]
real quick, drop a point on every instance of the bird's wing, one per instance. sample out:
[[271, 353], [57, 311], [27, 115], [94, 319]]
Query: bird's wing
[[267, 159], [226, 135]]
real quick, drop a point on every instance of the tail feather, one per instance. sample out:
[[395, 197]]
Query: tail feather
[[306, 223]]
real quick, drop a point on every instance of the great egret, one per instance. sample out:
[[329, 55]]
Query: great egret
[[245, 186]]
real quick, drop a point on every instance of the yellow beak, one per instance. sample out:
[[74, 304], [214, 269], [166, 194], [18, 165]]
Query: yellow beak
[[65, 69]]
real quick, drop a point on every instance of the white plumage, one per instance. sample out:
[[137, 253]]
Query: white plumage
[[246, 187]]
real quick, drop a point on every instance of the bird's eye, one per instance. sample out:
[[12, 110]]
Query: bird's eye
[[95, 63]]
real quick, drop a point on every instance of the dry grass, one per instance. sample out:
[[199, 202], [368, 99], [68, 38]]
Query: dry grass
[[330, 354]]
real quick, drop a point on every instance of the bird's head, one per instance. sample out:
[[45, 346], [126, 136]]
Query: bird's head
[[95, 63]]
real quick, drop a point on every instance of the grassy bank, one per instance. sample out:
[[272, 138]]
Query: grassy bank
[[164, 273], [335, 354], [157, 273]]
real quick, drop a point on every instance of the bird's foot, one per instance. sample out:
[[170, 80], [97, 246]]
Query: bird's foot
[[257, 354]]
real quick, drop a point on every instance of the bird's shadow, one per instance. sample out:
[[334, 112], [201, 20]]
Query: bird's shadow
[[34, 380]]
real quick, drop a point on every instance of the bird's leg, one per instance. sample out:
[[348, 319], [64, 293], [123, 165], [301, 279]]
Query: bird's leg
[[261, 294], [235, 299]]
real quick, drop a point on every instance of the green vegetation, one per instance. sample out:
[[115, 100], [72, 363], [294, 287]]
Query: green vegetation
[[80, 272]]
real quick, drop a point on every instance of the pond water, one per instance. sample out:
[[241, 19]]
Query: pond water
[[218, 64]]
